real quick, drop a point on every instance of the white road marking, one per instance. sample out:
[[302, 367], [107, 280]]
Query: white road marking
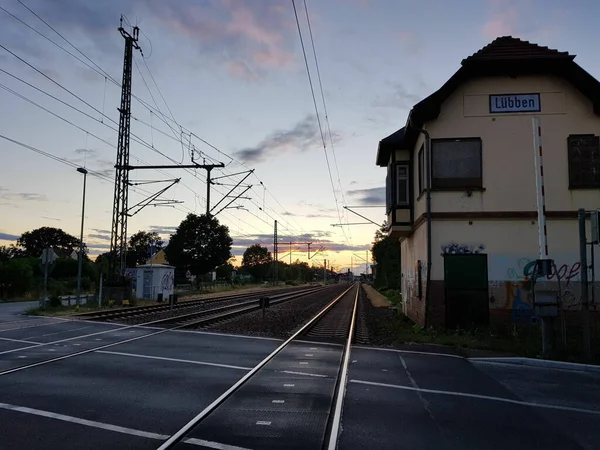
[[35, 326], [210, 444], [61, 332], [407, 351], [114, 428], [303, 363], [278, 401], [212, 333], [21, 356], [291, 372], [313, 348], [308, 354], [263, 422], [161, 358], [478, 396], [384, 370], [70, 339], [51, 349], [288, 385], [18, 340]]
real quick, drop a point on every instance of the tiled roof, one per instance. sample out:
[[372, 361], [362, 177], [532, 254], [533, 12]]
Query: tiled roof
[[511, 48]]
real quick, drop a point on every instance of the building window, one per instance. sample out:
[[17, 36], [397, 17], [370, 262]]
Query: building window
[[584, 161], [456, 163], [402, 183], [421, 170], [388, 190]]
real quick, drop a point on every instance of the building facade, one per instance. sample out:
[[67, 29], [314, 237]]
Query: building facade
[[470, 259]]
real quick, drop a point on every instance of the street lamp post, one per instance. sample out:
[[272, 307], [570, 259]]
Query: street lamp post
[[80, 255]]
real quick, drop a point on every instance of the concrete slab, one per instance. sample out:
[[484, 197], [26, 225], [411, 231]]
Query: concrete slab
[[439, 402], [137, 393], [278, 408], [52, 332], [24, 430]]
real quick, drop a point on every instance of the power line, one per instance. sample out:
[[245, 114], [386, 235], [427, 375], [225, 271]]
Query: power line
[[312, 90], [107, 76], [325, 109]]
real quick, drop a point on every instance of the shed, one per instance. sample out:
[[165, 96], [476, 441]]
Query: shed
[[154, 279]]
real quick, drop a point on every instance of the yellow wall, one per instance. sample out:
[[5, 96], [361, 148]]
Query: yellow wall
[[509, 179], [507, 145]]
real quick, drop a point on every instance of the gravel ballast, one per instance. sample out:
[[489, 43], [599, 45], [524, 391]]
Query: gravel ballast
[[280, 320]]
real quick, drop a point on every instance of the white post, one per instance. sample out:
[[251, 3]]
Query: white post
[[100, 293], [541, 194]]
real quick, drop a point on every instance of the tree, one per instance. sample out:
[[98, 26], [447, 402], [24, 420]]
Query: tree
[[256, 255], [9, 252], [199, 244], [16, 277], [386, 254], [256, 261], [34, 242], [138, 250]]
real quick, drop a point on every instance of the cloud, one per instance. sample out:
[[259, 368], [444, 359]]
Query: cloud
[[519, 18], [300, 137], [370, 196], [397, 96], [8, 237], [409, 42], [51, 218], [102, 237], [233, 31], [266, 240], [163, 229], [9, 197], [353, 182], [239, 69]]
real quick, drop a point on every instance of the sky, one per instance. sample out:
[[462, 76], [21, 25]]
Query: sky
[[226, 81]]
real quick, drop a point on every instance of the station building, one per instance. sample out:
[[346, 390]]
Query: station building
[[483, 186]]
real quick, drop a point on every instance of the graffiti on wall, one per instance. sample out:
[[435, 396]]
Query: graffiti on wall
[[525, 267], [520, 302], [167, 282], [462, 249], [518, 287]]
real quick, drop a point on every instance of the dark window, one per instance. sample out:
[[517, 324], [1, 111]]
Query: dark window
[[421, 170], [584, 161], [388, 190], [402, 183], [456, 163]]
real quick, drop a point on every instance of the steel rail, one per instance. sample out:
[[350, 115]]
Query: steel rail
[[182, 432]]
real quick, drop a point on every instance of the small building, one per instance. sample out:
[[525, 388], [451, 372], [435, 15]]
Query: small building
[[158, 258], [153, 280], [467, 259]]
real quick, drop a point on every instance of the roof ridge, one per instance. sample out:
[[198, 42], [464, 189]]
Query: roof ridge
[[513, 48]]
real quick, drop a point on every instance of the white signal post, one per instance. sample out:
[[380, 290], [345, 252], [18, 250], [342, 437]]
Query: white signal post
[[541, 194]]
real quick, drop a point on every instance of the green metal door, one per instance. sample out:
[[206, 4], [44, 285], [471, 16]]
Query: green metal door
[[466, 290]]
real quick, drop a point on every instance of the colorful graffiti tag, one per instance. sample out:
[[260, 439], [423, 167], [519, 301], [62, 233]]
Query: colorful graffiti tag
[[520, 301], [525, 269], [462, 249]]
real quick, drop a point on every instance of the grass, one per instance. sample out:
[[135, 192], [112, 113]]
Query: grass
[[517, 340]]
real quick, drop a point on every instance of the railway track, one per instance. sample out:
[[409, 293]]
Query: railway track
[[228, 311], [139, 313], [291, 399]]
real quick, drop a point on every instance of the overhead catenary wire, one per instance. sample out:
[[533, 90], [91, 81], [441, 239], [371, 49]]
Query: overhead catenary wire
[[326, 113], [318, 118], [93, 66]]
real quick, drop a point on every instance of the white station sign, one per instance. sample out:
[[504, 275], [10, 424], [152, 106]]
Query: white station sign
[[515, 103]]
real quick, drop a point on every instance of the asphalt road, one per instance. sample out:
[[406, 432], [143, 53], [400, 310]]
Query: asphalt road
[[134, 395]]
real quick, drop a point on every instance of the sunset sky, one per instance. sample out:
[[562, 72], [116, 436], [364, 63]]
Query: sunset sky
[[232, 72]]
